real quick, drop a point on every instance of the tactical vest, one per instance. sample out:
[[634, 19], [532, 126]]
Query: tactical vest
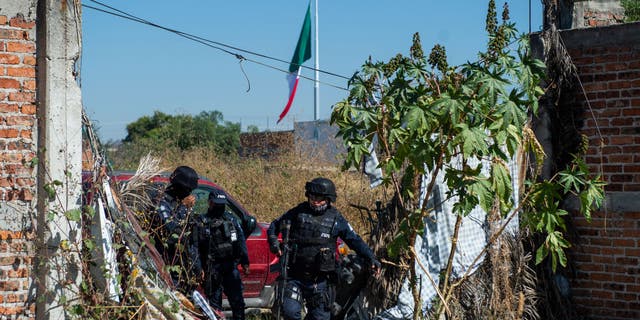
[[223, 238], [314, 245]]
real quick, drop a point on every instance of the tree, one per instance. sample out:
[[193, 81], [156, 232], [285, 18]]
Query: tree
[[207, 129], [252, 128], [631, 10], [425, 114]]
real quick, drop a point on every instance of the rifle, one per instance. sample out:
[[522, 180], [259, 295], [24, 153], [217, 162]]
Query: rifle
[[284, 261]]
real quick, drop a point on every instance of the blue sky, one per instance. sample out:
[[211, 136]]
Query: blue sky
[[129, 69]]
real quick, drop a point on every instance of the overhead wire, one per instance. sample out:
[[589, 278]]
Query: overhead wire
[[213, 44]]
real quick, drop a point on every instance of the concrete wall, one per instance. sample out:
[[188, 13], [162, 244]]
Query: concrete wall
[[592, 13], [17, 149], [604, 105]]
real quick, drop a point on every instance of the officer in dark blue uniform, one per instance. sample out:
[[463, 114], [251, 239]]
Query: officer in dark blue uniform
[[170, 222], [221, 247], [313, 228]]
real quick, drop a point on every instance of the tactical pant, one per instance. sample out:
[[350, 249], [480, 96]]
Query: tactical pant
[[315, 294], [225, 277]]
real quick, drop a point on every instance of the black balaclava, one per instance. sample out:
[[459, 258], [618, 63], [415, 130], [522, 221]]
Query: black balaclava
[[182, 181], [215, 210]]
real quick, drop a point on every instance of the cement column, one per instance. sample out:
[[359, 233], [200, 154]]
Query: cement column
[[59, 152]]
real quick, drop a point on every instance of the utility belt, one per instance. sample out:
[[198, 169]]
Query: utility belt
[[221, 252], [313, 259]]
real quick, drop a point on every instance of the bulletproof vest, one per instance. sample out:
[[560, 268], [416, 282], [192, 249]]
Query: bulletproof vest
[[223, 238], [314, 245]]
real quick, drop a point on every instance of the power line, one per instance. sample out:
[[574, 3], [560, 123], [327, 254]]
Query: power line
[[210, 43]]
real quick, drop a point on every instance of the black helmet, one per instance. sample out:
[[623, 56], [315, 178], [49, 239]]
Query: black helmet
[[322, 187], [184, 177]]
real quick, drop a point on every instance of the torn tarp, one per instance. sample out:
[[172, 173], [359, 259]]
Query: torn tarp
[[434, 247]]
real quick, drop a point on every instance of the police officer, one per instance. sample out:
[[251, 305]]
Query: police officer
[[221, 247], [314, 228], [170, 223]]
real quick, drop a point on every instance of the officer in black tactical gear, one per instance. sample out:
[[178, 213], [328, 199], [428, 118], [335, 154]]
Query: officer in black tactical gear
[[221, 247], [314, 228], [170, 223]]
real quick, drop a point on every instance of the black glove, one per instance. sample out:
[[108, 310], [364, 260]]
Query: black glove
[[274, 244]]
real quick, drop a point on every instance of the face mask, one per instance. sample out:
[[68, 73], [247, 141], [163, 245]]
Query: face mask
[[216, 210], [178, 192], [320, 208]]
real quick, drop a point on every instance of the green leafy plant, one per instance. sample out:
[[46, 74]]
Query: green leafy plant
[[631, 10]]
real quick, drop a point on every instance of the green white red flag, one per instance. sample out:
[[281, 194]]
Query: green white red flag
[[300, 55]]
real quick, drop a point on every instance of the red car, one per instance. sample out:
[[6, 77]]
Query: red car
[[259, 284]]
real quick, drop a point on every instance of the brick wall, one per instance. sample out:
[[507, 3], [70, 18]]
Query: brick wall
[[266, 144], [17, 145], [606, 252]]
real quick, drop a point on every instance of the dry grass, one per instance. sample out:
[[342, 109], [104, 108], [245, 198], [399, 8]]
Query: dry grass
[[267, 188]]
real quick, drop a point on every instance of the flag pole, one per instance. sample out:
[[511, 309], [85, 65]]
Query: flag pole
[[317, 70]]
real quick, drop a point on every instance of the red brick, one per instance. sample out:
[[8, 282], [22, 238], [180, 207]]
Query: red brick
[[593, 87], [631, 112], [619, 85], [9, 83], [618, 103], [20, 273], [3, 20], [6, 58], [623, 278], [13, 35], [9, 133], [27, 47], [605, 77], [20, 121], [611, 251], [623, 140], [29, 85], [22, 96], [11, 285], [15, 298], [28, 109], [601, 294], [20, 22], [22, 182], [21, 195], [26, 134], [29, 60], [27, 72]]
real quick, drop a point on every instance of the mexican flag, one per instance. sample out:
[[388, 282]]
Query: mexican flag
[[300, 55]]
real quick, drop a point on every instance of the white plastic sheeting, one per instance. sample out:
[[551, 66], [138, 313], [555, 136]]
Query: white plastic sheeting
[[434, 247]]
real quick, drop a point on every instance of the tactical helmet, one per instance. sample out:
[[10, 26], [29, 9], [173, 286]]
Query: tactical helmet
[[184, 177], [322, 187]]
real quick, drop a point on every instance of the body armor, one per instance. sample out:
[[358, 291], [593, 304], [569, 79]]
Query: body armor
[[315, 245], [222, 238]]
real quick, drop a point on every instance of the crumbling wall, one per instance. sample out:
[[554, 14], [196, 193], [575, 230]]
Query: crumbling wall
[[576, 14], [17, 150]]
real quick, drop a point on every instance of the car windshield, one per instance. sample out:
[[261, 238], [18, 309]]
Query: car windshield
[[202, 203]]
